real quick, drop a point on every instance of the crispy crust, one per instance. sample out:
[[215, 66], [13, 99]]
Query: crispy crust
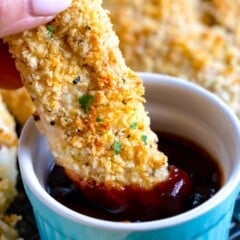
[[162, 43], [193, 39], [81, 59], [19, 104], [8, 172]]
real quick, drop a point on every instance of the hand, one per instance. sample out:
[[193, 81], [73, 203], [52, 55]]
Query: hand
[[17, 16]]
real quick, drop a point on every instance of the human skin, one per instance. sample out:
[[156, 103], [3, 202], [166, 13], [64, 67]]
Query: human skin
[[17, 16]]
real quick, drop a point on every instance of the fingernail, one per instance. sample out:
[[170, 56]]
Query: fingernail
[[48, 7]]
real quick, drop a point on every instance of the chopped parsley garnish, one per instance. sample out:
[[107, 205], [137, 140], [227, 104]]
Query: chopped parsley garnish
[[76, 80], [98, 119], [50, 30], [133, 126], [86, 101], [117, 147], [144, 139]]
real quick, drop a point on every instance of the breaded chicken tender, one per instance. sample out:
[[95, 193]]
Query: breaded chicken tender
[[89, 104], [7, 227], [8, 172], [8, 155], [196, 40], [223, 13], [19, 104]]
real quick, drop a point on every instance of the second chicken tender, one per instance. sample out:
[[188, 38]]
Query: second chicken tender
[[192, 39], [19, 104], [8, 173]]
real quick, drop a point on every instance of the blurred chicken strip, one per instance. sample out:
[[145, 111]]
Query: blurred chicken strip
[[185, 39], [19, 104], [8, 155], [222, 13], [8, 173]]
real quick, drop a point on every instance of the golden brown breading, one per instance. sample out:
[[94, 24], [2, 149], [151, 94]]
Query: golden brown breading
[[223, 13], [8, 155], [19, 104], [8, 172], [8, 147], [89, 102], [7, 224], [139, 25], [173, 39]]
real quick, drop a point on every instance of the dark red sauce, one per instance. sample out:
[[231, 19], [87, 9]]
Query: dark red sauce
[[196, 178]]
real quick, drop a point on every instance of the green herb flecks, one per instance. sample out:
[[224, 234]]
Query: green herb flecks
[[144, 139], [98, 119], [133, 126], [117, 147], [50, 30], [86, 101]]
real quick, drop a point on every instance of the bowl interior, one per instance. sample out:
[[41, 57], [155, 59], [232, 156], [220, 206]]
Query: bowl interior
[[175, 106], [197, 115]]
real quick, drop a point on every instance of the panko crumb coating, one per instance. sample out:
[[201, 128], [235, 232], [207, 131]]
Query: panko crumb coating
[[89, 104], [8, 173], [192, 39], [18, 103]]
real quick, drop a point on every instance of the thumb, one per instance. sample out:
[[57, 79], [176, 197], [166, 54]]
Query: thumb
[[19, 15]]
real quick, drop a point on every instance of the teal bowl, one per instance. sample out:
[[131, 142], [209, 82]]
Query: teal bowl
[[178, 107]]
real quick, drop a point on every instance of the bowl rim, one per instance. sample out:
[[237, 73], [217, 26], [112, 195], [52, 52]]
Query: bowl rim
[[30, 179]]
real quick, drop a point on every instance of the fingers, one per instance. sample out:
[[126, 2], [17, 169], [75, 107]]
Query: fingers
[[48, 8], [19, 15]]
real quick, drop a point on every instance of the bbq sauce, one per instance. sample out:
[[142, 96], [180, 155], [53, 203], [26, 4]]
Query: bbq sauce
[[194, 177]]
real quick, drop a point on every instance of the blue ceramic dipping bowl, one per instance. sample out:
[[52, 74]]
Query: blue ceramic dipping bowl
[[175, 106]]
